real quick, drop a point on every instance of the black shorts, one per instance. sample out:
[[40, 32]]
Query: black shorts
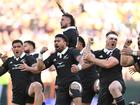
[[88, 91], [21, 97], [105, 98], [63, 96]]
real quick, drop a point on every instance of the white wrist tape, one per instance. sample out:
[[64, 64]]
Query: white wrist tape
[[79, 67], [40, 56], [134, 53]]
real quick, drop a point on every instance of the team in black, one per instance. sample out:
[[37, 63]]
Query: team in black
[[24, 88], [75, 82]]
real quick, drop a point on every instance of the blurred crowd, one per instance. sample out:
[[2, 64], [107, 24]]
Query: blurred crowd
[[39, 20]]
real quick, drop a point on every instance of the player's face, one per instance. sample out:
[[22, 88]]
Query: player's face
[[111, 42], [17, 49], [65, 22], [27, 47], [59, 44], [79, 46]]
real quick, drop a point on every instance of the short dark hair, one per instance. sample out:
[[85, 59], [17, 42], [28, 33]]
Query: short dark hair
[[80, 39], [111, 32], [17, 41], [63, 37], [72, 23], [31, 43]]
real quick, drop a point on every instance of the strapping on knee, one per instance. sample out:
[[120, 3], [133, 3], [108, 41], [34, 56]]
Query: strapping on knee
[[75, 89]]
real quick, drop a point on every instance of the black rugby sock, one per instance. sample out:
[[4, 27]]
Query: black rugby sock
[[120, 100]]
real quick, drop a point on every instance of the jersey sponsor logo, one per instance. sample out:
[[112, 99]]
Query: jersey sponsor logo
[[60, 65], [15, 66], [101, 56], [11, 62], [66, 57], [22, 60], [54, 60]]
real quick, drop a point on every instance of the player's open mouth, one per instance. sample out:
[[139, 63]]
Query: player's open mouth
[[112, 44], [17, 52], [56, 47]]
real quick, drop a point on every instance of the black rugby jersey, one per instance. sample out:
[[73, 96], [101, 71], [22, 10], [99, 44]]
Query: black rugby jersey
[[36, 77], [20, 79], [63, 66], [89, 73], [71, 33], [108, 75]]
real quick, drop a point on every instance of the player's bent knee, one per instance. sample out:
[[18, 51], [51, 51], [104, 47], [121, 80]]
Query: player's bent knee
[[115, 86], [36, 86], [112, 89], [75, 89]]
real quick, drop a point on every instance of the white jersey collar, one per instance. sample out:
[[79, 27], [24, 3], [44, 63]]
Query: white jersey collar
[[71, 27]]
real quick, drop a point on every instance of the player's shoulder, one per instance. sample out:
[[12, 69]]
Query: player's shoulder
[[72, 49], [10, 58], [97, 51], [116, 50], [53, 54], [27, 56]]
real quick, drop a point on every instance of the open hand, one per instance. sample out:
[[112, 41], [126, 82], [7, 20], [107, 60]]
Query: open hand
[[24, 67]]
